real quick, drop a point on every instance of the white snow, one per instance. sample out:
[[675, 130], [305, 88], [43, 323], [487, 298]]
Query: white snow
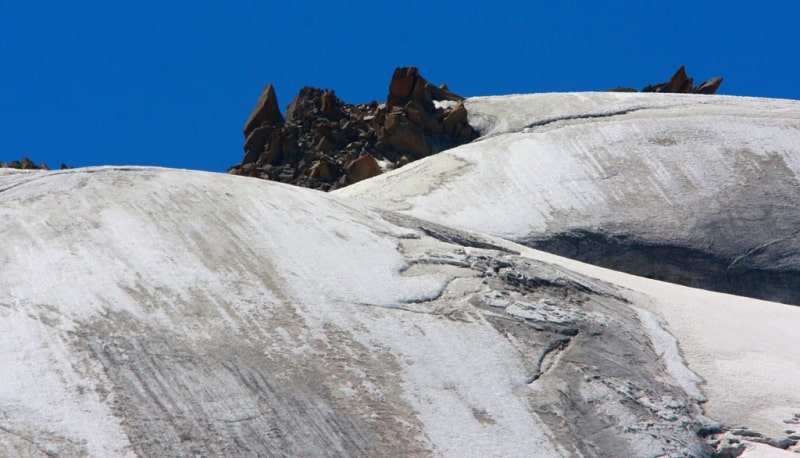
[[666, 347], [200, 256], [551, 162], [660, 157], [47, 391], [756, 450]]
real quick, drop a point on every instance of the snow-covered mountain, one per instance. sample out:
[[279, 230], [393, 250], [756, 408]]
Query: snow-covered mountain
[[702, 191], [155, 312]]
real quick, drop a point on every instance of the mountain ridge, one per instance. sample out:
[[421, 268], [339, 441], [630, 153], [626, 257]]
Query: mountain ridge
[[623, 180], [180, 312]]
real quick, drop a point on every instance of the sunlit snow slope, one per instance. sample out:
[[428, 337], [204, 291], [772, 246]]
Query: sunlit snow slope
[[152, 312], [699, 190]]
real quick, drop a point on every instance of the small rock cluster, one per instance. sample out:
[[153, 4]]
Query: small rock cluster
[[325, 143], [730, 443], [27, 164], [680, 84]]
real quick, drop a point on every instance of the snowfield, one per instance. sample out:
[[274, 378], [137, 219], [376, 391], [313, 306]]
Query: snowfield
[[661, 178], [157, 312]]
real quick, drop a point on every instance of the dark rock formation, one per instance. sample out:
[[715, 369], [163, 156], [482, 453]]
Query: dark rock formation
[[27, 164], [362, 168], [682, 84], [325, 143], [266, 112]]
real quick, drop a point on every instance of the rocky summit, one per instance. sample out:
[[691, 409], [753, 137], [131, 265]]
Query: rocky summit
[[680, 83], [325, 143], [27, 164]]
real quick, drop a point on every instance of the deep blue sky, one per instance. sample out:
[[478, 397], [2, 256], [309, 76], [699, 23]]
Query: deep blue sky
[[171, 83]]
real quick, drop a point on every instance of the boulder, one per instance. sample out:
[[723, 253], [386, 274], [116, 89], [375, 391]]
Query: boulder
[[322, 170], [266, 112], [408, 138], [313, 103], [443, 93], [418, 115], [278, 148], [454, 119], [710, 86], [255, 143], [362, 168], [402, 83]]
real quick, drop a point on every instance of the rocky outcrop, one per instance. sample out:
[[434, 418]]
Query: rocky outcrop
[[682, 84], [27, 164], [362, 168], [266, 112], [325, 143]]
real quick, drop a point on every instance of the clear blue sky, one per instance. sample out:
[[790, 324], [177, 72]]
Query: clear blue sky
[[171, 83]]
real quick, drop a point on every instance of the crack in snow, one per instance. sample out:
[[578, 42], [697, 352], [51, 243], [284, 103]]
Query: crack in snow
[[607, 114], [559, 344], [760, 249]]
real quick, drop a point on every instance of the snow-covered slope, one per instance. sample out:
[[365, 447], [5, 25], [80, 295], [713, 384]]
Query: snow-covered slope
[[156, 312], [701, 190]]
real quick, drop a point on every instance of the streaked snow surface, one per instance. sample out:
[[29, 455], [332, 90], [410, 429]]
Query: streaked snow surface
[[701, 167], [201, 257], [151, 311]]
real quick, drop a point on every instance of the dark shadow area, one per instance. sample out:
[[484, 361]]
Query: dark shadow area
[[674, 264]]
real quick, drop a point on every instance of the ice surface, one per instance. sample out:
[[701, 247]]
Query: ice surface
[[719, 174], [614, 161], [97, 257], [152, 311]]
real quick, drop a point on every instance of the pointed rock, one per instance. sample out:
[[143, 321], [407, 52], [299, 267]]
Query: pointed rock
[[401, 85], [677, 81], [266, 112], [710, 86]]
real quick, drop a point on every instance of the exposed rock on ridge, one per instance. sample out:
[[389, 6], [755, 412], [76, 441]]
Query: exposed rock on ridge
[[325, 143], [682, 84], [27, 164], [700, 191]]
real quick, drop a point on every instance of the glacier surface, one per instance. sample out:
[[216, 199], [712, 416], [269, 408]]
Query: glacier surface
[[156, 312]]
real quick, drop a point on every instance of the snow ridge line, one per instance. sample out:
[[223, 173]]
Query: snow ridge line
[[553, 120], [607, 114]]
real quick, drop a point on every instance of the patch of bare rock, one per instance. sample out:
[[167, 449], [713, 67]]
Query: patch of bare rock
[[680, 83], [325, 143], [27, 164], [733, 442]]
